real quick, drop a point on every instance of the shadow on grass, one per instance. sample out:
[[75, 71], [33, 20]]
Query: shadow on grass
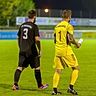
[[8, 86], [28, 89], [45, 91], [5, 86]]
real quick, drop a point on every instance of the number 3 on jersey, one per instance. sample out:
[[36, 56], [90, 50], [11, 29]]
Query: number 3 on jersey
[[25, 34]]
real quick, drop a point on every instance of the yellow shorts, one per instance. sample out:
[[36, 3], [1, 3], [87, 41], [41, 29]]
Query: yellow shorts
[[69, 60]]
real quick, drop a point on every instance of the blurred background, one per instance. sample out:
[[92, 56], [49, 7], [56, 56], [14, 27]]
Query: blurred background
[[14, 12], [49, 12]]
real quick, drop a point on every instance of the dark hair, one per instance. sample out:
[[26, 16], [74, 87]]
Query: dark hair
[[31, 14], [66, 13]]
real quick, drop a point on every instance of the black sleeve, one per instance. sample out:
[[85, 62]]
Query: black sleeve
[[38, 47], [36, 30], [19, 32]]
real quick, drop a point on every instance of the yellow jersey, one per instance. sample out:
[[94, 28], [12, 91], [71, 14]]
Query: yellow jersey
[[60, 33]]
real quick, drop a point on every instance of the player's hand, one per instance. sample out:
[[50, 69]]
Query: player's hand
[[39, 54], [78, 45]]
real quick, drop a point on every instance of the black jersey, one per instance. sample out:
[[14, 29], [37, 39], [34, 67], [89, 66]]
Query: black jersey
[[26, 37]]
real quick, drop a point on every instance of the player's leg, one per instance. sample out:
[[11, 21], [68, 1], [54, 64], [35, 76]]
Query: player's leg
[[72, 62], [58, 68], [16, 77], [21, 66], [38, 77], [35, 63], [73, 79], [56, 79], [74, 75]]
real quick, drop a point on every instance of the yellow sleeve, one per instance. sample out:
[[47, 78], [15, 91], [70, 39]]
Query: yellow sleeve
[[70, 29]]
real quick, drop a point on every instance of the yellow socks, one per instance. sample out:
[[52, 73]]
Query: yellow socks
[[74, 76], [56, 78]]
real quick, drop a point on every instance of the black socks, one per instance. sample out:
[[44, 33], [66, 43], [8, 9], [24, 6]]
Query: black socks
[[17, 76], [71, 86], [38, 78]]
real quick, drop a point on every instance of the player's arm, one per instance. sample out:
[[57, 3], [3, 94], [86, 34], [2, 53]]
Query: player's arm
[[72, 40], [18, 42], [18, 34], [70, 36], [37, 39], [38, 45]]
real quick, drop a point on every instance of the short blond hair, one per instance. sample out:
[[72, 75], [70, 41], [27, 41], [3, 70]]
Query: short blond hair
[[66, 13]]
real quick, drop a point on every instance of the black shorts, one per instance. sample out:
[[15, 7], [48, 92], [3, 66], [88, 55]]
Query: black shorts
[[24, 61]]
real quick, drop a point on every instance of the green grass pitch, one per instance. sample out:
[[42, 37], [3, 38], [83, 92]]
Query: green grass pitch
[[85, 85]]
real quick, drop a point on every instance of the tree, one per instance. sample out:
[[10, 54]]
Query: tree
[[22, 7], [9, 9]]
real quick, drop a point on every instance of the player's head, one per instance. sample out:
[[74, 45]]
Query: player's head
[[67, 14], [32, 15]]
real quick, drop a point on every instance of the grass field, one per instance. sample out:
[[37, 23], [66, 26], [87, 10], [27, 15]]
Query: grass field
[[85, 85]]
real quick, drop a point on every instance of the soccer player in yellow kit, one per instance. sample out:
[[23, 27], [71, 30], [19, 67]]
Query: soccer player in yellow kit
[[64, 56]]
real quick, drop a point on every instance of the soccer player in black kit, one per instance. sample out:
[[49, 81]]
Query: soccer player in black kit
[[29, 50]]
